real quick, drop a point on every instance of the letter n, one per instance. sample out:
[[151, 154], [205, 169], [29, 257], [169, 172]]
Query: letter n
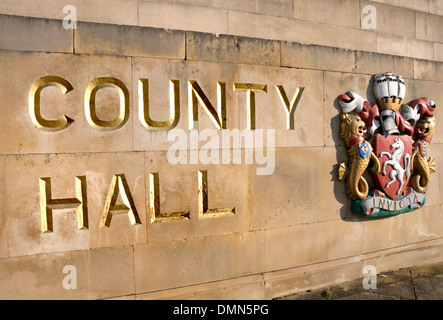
[[47, 204]]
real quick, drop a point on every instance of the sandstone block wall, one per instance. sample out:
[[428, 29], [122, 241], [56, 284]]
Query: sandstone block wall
[[284, 232]]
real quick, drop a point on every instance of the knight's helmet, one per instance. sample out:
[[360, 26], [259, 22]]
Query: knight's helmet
[[389, 92]]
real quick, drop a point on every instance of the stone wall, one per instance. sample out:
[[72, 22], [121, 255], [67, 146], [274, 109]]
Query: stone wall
[[281, 233]]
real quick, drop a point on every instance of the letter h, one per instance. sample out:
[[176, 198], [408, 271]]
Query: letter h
[[47, 204]]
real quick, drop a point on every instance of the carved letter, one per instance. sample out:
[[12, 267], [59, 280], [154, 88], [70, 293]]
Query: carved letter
[[119, 186], [143, 106], [34, 103], [196, 95], [289, 107], [90, 112], [47, 204], [154, 203], [203, 206], [250, 89]]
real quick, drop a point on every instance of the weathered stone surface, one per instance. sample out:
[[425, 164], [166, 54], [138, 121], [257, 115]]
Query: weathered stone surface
[[106, 39], [103, 11], [228, 187], [302, 177], [19, 135], [316, 57], [175, 264], [23, 222], [371, 63], [428, 26], [310, 243], [182, 17], [3, 232], [344, 13], [98, 273], [278, 28], [208, 47], [428, 70], [393, 20], [32, 34]]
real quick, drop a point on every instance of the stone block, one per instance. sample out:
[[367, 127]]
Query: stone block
[[249, 287], [438, 52], [311, 277], [436, 7], [280, 8], [208, 47], [417, 5], [344, 13], [393, 20], [96, 274], [173, 264], [269, 110], [21, 136], [302, 31], [182, 17], [311, 243], [159, 72], [428, 27], [102, 11], [412, 227], [302, 176], [372, 63], [428, 70], [3, 232], [32, 34], [246, 6], [393, 45], [23, 211], [228, 189], [105, 39], [316, 57], [420, 49]]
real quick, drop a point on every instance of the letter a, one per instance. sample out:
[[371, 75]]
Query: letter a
[[119, 186]]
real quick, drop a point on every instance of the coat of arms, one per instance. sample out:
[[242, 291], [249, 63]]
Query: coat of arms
[[391, 141]]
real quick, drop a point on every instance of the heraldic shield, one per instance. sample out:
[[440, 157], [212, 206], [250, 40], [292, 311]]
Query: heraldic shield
[[394, 154], [390, 140]]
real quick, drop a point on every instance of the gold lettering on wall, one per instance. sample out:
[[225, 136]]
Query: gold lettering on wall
[[203, 204], [196, 96], [289, 106], [143, 103], [47, 204], [90, 107], [34, 103], [250, 89], [119, 185], [154, 203]]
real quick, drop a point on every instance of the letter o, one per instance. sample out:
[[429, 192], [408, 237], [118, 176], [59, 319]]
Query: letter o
[[90, 108]]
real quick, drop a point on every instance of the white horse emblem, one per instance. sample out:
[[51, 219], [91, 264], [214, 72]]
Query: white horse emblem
[[394, 161]]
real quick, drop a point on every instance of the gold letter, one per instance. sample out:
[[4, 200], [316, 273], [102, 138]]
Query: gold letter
[[154, 203], [34, 103], [143, 106], [90, 93], [250, 88], [47, 204], [289, 107], [203, 205], [119, 185], [196, 95]]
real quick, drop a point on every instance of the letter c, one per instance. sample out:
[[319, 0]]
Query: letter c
[[34, 103]]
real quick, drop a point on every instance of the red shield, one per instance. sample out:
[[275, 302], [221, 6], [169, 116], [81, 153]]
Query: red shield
[[394, 154]]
